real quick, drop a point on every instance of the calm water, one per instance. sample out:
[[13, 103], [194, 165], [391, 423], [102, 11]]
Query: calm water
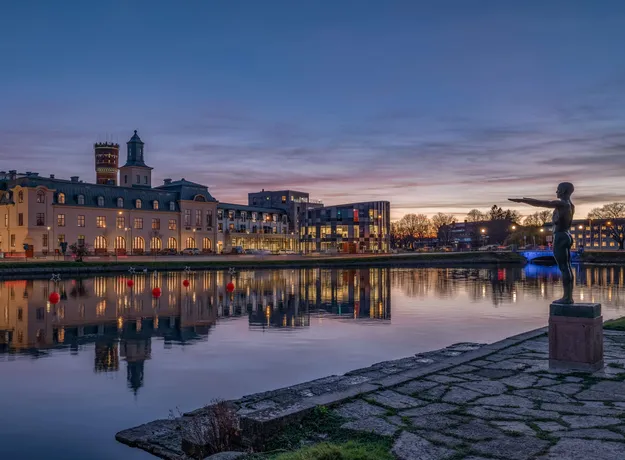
[[108, 357]]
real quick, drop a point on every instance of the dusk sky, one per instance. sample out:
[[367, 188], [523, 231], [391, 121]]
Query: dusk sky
[[432, 105]]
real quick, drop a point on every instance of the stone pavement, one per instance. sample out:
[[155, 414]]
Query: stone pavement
[[506, 405], [467, 401]]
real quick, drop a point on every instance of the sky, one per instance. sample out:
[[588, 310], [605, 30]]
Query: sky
[[432, 105]]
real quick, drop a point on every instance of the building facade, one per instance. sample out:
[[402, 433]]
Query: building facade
[[39, 212], [347, 228], [253, 227], [597, 234], [293, 203]]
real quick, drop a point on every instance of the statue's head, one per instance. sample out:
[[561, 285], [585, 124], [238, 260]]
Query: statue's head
[[565, 190]]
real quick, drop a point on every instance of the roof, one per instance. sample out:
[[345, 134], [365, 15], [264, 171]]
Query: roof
[[91, 192], [243, 207], [187, 190]]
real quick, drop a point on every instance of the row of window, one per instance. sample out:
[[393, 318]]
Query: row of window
[[198, 218], [120, 222], [254, 229], [138, 243], [254, 216]]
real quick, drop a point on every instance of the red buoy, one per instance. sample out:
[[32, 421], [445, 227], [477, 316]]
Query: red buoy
[[54, 298], [130, 283], [230, 286], [185, 283], [156, 292]]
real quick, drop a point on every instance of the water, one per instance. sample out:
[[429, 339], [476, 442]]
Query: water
[[108, 357]]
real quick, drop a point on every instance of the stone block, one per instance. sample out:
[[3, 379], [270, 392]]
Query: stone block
[[576, 337]]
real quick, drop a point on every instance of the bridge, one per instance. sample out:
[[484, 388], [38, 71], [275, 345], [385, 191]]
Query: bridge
[[545, 254]]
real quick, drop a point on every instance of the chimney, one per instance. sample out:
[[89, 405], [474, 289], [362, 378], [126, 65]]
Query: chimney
[[51, 176], [74, 178], [167, 181], [12, 173], [28, 173]]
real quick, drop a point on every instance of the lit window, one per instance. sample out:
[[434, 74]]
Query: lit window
[[138, 204], [20, 196], [60, 220], [61, 198], [155, 204], [81, 221], [172, 224], [121, 222], [156, 224], [138, 223], [100, 222]]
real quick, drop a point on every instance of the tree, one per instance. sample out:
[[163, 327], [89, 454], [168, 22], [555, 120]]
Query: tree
[[538, 219], [443, 224], [79, 250], [614, 213], [475, 215], [497, 213], [416, 225]]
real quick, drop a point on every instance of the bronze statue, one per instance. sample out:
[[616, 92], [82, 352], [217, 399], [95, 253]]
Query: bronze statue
[[563, 213]]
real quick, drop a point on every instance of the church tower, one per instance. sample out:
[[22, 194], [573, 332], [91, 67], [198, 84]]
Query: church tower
[[135, 173]]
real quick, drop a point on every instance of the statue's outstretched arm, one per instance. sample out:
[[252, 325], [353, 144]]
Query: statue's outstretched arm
[[538, 203]]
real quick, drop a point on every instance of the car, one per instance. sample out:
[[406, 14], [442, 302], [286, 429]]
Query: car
[[191, 252], [238, 250], [286, 252], [168, 252]]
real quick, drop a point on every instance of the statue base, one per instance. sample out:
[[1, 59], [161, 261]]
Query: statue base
[[576, 337]]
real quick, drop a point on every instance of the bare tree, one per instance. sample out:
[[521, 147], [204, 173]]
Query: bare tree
[[443, 224], [416, 225], [538, 219], [475, 215], [614, 213], [497, 213]]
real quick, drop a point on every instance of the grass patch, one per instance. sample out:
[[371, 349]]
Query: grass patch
[[615, 324], [351, 450]]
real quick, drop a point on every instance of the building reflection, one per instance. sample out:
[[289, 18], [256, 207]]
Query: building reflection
[[121, 322]]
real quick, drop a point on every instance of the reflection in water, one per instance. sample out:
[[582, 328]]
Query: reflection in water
[[120, 323]]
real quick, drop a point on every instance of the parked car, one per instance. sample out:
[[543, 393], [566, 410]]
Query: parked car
[[191, 252], [238, 250], [168, 252], [286, 252]]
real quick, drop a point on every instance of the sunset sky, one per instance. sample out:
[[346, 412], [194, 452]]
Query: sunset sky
[[432, 105]]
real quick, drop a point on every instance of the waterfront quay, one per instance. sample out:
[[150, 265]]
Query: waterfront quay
[[467, 401]]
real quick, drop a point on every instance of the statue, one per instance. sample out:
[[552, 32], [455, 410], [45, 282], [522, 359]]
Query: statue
[[563, 213]]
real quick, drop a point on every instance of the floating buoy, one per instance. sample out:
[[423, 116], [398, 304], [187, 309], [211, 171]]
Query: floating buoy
[[156, 292], [230, 286], [185, 283], [130, 283], [54, 298]]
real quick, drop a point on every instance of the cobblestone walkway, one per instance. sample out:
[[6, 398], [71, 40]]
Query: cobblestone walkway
[[506, 405]]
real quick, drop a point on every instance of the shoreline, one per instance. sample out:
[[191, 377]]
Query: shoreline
[[38, 268]]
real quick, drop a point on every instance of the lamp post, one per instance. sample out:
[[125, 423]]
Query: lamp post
[[483, 236], [379, 233], [48, 242]]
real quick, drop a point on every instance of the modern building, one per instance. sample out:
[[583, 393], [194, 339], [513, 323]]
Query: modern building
[[596, 234], [293, 203], [253, 227], [39, 212], [468, 235], [349, 228]]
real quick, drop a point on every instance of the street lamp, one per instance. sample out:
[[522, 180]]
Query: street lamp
[[48, 242]]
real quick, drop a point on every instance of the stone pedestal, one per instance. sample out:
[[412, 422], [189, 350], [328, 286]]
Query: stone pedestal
[[576, 337]]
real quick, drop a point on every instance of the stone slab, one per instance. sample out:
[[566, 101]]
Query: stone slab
[[577, 310], [409, 446], [583, 449], [512, 448], [590, 421], [371, 425], [359, 410], [393, 400], [590, 433], [515, 427]]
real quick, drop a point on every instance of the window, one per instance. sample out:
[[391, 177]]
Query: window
[[138, 179], [138, 244], [172, 206], [284, 219], [243, 216], [60, 239], [81, 199], [283, 199], [81, 240], [172, 243], [155, 243], [44, 240], [156, 224], [100, 242], [120, 243], [20, 196], [145, 179], [155, 204], [41, 196], [60, 220], [231, 228], [81, 221], [209, 218], [120, 202], [172, 224], [20, 219], [187, 217], [125, 178], [220, 227], [138, 204], [138, 222], [254, 217], [230, 215], [101, 201], [190, 242], [206, 244], [220, 214], [198, 218], [60, 198], [100, 222], [41, 219], [12, 241], [120, 222]]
